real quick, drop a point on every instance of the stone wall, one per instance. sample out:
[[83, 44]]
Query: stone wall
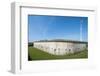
[[59, 48]]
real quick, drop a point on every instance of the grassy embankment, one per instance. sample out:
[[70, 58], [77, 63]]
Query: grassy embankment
[[36, 54]]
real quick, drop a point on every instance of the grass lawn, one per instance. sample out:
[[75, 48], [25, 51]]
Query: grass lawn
[[36, 54]]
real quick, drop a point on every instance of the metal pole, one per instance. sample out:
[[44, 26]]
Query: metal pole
[[81, 21]]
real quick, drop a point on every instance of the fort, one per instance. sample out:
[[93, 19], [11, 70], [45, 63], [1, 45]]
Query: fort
[[60, 46]]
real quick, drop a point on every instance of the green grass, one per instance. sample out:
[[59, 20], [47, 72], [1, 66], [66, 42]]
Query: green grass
[[36, 54]]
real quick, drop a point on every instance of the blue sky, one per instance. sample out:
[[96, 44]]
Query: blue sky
[[56, 27]]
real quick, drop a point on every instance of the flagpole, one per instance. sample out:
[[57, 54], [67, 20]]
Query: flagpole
[[81, 21]]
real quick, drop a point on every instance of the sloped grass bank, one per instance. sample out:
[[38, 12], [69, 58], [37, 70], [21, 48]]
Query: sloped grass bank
[[36, 54]]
